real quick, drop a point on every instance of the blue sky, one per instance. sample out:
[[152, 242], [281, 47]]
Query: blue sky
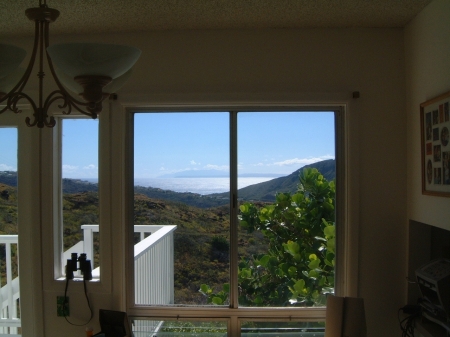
[[80, 148], [197, 144], [268, 143], [8, 153]]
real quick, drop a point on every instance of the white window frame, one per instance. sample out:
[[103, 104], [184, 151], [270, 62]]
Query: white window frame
[[29, 222], [54, 273], [58, 235], [345, 260]]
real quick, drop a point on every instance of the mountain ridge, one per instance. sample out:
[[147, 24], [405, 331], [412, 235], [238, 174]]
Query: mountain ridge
[[267, 190], [264, 191]]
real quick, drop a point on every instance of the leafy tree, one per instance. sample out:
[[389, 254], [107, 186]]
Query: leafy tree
[[298, 268]]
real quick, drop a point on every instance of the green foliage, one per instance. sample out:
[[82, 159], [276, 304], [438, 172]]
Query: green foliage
[[220, 247], [193, 328], [266, 237], [298, 268]]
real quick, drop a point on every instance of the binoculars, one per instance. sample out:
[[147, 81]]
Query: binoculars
[[79, 263]]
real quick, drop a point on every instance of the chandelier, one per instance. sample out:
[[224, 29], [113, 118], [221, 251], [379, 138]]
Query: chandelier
[[91, 71]]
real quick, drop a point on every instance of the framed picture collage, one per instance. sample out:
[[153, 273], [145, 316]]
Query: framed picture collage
[[435, 127]]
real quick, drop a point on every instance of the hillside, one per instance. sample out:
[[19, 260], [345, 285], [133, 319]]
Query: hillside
[[8, 178], [263, 191], [200, 241], [266, 191], [69, 185], [188, 198]]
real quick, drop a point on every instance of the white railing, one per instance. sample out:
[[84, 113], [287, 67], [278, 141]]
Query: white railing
[[9, 292], [153, 266], [153, 262]]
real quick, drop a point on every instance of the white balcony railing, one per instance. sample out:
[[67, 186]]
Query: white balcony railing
[[153, 261], [9, 292], [153, 266]]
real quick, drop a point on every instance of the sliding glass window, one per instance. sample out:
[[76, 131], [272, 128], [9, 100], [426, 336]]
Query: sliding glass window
[[234, 218]]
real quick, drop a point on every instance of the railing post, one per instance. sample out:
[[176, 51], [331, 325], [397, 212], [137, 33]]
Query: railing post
[[88, 242], [9, 278]]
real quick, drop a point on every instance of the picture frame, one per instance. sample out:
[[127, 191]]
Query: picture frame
[[435, 145]]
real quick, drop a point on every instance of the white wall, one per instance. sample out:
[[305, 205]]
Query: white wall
[[427, 47], [302, 66]]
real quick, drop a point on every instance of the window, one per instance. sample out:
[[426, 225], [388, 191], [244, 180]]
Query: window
[[77, 218], [204, 184], [9, 254]]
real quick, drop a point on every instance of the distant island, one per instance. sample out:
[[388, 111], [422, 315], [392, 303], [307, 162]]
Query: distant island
[[264, 191], [214, 174]]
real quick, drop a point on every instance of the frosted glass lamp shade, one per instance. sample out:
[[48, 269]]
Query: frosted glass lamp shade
[[73, 86], [91, 59], [9, 81], [10, 59]]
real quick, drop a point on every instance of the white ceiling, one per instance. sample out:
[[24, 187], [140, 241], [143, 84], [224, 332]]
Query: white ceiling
[[86, 16]]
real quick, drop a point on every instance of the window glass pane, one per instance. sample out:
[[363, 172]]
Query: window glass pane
[[80, 190], [145, 328], [181, 172], [286, 235], [282, 329], [9, 254]]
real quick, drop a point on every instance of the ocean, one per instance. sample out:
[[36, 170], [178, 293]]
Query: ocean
[[198, 185]]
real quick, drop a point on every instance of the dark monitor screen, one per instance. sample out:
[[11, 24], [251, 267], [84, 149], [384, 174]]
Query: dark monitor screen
[[114, 323]]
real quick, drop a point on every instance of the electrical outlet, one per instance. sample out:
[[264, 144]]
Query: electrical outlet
[[62, 308]]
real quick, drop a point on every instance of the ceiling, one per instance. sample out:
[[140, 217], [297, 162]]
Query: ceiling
[[87, 16]]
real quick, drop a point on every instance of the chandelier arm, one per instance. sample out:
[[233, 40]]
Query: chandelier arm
[[41, 74], [18, 88], [40, 123], [16, 97], [13, 101], [40, 115], [55, 96], [92, 96], [30, 66], [40, 119], [67, 102]]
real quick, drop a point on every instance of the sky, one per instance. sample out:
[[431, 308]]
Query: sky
[[197, 144], [8, 152]]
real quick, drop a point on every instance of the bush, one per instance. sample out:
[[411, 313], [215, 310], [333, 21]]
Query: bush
[[298, 268]]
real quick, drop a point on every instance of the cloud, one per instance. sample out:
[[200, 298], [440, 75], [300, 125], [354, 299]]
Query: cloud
[[90, 167], [69, 168], [5, 167], [193, 162], [302, 161], [216, 167]]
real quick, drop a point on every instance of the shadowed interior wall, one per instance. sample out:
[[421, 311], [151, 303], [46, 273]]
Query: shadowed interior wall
[[288, 66], [428, 72]]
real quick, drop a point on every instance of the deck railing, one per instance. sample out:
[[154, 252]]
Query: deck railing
[[153, 261], [153, 266], [9, 292]]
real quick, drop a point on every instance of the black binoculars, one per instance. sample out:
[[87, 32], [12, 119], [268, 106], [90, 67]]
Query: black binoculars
[[79, 263]]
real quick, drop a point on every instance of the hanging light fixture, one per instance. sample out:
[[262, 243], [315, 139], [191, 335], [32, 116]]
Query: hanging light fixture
[[92, 71]]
